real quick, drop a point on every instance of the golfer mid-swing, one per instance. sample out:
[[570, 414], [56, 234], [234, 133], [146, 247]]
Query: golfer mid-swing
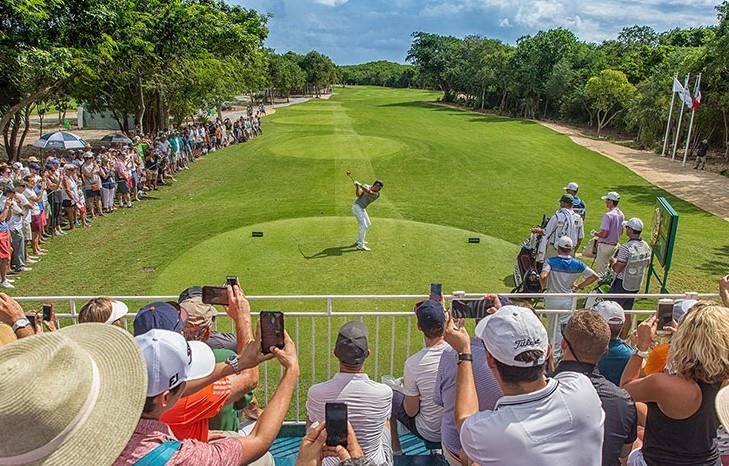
[[366, 195]]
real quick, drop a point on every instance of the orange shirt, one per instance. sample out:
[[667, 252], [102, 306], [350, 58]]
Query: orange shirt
[[657, 360], [188, 419]]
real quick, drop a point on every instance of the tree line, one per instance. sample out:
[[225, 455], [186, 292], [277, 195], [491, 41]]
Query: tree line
[[624, 83], [156, 61]]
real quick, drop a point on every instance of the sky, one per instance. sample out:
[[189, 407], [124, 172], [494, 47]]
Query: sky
[[358, 31]]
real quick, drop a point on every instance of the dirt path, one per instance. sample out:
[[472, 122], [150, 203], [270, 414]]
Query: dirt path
[[705, 190]]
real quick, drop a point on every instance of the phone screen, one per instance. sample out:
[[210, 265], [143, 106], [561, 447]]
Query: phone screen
[[272, 330], [31, 319], [215, 295], [336, 424], [231, 280], [436, 290], [47, 312], [475, 309], [665, 313]]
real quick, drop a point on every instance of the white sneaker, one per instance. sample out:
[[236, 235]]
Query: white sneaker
[[362, 247], [25, 269], [10, 280], [31, 261], [6, 284]]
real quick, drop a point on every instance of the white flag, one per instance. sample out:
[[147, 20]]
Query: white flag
[[677, 87]]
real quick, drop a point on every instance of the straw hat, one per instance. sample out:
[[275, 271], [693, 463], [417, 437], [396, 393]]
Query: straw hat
[[70, 397], [722, 407]]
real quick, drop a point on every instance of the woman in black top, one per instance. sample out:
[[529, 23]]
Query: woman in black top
[[681, 422]]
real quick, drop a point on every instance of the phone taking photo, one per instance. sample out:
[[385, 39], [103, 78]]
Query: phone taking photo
[[471, 309], [336, 424], [436, 291], [272, 330], [215, 295], [48, 312], [665, 313]]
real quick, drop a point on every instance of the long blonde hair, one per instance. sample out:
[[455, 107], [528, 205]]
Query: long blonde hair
[[700, 348]]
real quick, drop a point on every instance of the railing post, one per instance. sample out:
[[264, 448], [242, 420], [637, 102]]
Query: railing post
[[329, 337], [72, 305]]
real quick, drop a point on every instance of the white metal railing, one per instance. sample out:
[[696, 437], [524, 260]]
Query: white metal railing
[[380, 349]]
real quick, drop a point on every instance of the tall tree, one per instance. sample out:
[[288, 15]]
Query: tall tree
[[609, 93]]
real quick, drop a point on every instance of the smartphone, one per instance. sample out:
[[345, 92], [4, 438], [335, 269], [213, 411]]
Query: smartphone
[[231, 280], [47, 312], [336, 424], [472, 309], [215, 295], [272, 330], [665, 313], [436, 291]]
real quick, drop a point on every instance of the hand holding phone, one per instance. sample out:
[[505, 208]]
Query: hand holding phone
[[336, 424], [272, 330], [231, 280], [48, 312], [664, 313]]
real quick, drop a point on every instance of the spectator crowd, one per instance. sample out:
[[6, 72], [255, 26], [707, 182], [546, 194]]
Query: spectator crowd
[[70, 189], [179, 393]]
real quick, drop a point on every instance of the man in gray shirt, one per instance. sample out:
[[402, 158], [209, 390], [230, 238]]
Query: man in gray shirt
[[366, 195]]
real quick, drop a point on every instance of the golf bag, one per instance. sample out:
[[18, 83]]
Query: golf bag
[[526, 267]]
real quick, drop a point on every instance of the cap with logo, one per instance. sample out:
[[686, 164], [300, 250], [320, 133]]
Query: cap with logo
[[611, 311], [634, 224], [352, 343], [159, 315], [565, 242], [572, 186], [172, 360], [611, 196], [567, 199], [511, 331], [430, 314]]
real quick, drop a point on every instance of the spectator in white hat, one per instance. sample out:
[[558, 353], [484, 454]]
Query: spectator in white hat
[[613, 362], [171, 362], [539, 421], [611, 228], [578, 206], [70, 397], [560, 274]]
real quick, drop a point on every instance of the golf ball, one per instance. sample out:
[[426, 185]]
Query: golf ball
[[403, 244]]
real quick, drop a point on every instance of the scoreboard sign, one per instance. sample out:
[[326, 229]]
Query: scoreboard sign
[[663, 237]]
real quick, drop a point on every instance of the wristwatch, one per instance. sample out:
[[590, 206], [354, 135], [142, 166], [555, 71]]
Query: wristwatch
[[20, 323], [232, 361], [641, 354], [463, 357]]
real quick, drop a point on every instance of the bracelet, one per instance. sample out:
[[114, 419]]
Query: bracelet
[[461, 357], [640, 354]]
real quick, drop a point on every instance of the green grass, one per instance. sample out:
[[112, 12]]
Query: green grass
[[448, 175]]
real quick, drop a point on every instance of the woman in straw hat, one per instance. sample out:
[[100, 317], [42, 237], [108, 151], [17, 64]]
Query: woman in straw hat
[[681, 423]]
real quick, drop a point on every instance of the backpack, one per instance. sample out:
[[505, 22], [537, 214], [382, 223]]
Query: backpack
[[531, 283], [639, 256]]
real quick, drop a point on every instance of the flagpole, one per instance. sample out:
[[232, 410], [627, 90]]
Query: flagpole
[[691, 124], [680, 117], [670, 114]]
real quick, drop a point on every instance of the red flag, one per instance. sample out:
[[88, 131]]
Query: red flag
[[697, 94]]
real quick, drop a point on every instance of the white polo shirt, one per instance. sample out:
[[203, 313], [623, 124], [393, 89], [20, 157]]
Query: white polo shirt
[[558, 425], [368, 408], [421, 370]]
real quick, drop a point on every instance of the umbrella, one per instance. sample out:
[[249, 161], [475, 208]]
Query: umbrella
[[61, 140], [116, 138]]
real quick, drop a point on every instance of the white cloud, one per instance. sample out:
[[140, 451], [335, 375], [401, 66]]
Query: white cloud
[[504, 23], [331, 2]]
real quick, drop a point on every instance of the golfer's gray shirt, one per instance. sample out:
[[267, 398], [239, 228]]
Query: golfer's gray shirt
[[366, 198]]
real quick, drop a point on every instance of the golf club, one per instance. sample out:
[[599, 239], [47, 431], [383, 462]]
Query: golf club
[[349, 174]]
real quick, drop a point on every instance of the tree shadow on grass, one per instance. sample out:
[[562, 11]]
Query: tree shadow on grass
[[336, 251], [719, 265], [454, 111]]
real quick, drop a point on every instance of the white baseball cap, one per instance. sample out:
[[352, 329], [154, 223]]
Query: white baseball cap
[[511, 331], [571, 186], [681, 307], [171, 360], [611, 311], [634, 224], [565, 242], [611, 196], [118, 310]]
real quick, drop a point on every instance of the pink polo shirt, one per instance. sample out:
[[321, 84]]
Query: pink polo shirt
[[612, 222], [151, 433]]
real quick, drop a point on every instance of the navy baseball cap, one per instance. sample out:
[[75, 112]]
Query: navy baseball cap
[[160, 315], [431, 314], [567, 199]]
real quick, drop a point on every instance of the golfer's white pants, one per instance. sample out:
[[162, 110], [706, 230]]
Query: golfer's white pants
[[602, 258], [364, 222]]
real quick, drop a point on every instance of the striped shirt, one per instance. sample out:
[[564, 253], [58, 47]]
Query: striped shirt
[[487, 389]]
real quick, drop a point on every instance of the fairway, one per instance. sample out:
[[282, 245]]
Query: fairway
[[448, 175]]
